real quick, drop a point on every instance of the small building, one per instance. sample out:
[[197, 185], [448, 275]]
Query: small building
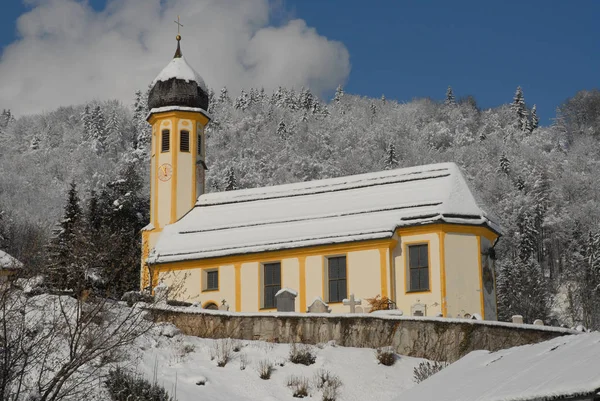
[[415, 235], [564, 368], [8, 265]]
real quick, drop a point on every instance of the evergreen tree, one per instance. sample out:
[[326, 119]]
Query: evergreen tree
[[504, 164], [535, 121], [373, 112], [391, 159], [224, 96], [35, 143], [520, 109], [86, 119], [242, 102], [450, 100], [339, 94], [383, 99], [142, 134], [66, 269], [282, 130], [231, 184]]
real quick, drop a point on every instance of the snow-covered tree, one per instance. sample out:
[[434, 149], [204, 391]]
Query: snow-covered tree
[[391, 159], [535, 120], [231, 184], [520, 109], [450, 100]]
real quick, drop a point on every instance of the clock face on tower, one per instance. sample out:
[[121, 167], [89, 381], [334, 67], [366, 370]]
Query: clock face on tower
[[165, 171]]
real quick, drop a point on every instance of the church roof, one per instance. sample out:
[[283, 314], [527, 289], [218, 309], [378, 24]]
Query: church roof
[[564, 368], [336, 210], [178, 84], [7, 262]]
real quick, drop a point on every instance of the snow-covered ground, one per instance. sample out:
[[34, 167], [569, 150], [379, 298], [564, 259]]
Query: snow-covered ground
[[180, 361]]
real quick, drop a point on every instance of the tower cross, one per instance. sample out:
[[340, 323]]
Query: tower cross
[[179, 25]]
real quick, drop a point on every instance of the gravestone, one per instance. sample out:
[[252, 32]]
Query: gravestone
[[285, 299], [318, 306], [517, 319], [161, 292], [359, 309], [538, 322], [418, 309], [352, 303], [224, 306]]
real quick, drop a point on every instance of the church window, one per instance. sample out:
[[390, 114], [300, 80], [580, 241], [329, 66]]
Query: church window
[[184, 141], [211, 280], [418, 263], [336, 277], [272, 283], [165, 141]]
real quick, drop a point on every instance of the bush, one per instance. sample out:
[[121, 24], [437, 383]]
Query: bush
[[299, 386], [302, 354], [243, 361], [386, 356], [265, 368], [222, 351], [328, 383], [124, 386], [237, 345], [426, 369], [379, 303], [331, 389]]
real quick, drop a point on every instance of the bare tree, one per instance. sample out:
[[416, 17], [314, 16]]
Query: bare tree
[[57, 347]]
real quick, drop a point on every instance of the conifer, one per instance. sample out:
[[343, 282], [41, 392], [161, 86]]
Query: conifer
[[450, 100]]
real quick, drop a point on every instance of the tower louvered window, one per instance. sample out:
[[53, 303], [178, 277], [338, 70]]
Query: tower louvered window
[[165, 145], [184, 141], [199, 145]]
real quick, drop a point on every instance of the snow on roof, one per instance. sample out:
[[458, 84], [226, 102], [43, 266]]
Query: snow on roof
[[8, 262], [178, 108], [561, 368], [178, 68], [337, 210]]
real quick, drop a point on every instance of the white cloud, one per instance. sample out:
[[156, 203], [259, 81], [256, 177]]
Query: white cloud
[[67, 53]]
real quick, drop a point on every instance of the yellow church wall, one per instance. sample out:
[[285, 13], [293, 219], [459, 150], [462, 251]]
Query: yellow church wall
[[164, 188], [314, 278], [184, 173], [463, 278], [431, 298], [249, 287]]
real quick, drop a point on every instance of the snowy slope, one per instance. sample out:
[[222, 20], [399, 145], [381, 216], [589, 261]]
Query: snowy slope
[[8, 262], [363, 378], [562, 368], [345, 209]]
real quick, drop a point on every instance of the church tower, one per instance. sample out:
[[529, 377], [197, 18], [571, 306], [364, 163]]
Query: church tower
[[178, 101]]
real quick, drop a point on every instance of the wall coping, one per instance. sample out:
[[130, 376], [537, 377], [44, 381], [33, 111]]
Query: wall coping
[[199, 311]]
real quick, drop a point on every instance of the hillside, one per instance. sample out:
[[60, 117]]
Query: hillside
[[541, 182]]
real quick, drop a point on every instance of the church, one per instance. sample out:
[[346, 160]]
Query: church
[[415, 235]]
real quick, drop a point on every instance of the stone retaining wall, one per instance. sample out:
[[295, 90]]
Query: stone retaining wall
[[432, 338]]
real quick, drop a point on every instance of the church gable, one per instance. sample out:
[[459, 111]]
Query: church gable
[[324, 212]]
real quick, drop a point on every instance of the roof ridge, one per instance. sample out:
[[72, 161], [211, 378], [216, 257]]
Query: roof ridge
[[318, 187]]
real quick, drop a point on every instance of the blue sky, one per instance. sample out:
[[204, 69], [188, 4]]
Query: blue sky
[[412, 49]]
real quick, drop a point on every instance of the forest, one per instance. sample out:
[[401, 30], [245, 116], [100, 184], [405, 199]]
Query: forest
[[74, 188]]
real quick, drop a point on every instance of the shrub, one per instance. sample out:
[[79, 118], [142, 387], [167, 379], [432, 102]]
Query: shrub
[[265, 368], [302, 354], [322, 376], [379, 303], [237, 345], [331, 389], [187, 349], [426, 369], [243, 361], [299, 386], [124, 386], [386, 356], [222, 351]]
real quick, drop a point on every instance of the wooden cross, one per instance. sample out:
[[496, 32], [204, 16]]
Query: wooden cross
[[179, 25], [352, 303]]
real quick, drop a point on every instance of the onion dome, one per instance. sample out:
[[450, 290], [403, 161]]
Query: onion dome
[[178, 85]]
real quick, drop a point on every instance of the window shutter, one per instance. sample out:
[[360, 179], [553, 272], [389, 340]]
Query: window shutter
[[166, 141], [184, 141]]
